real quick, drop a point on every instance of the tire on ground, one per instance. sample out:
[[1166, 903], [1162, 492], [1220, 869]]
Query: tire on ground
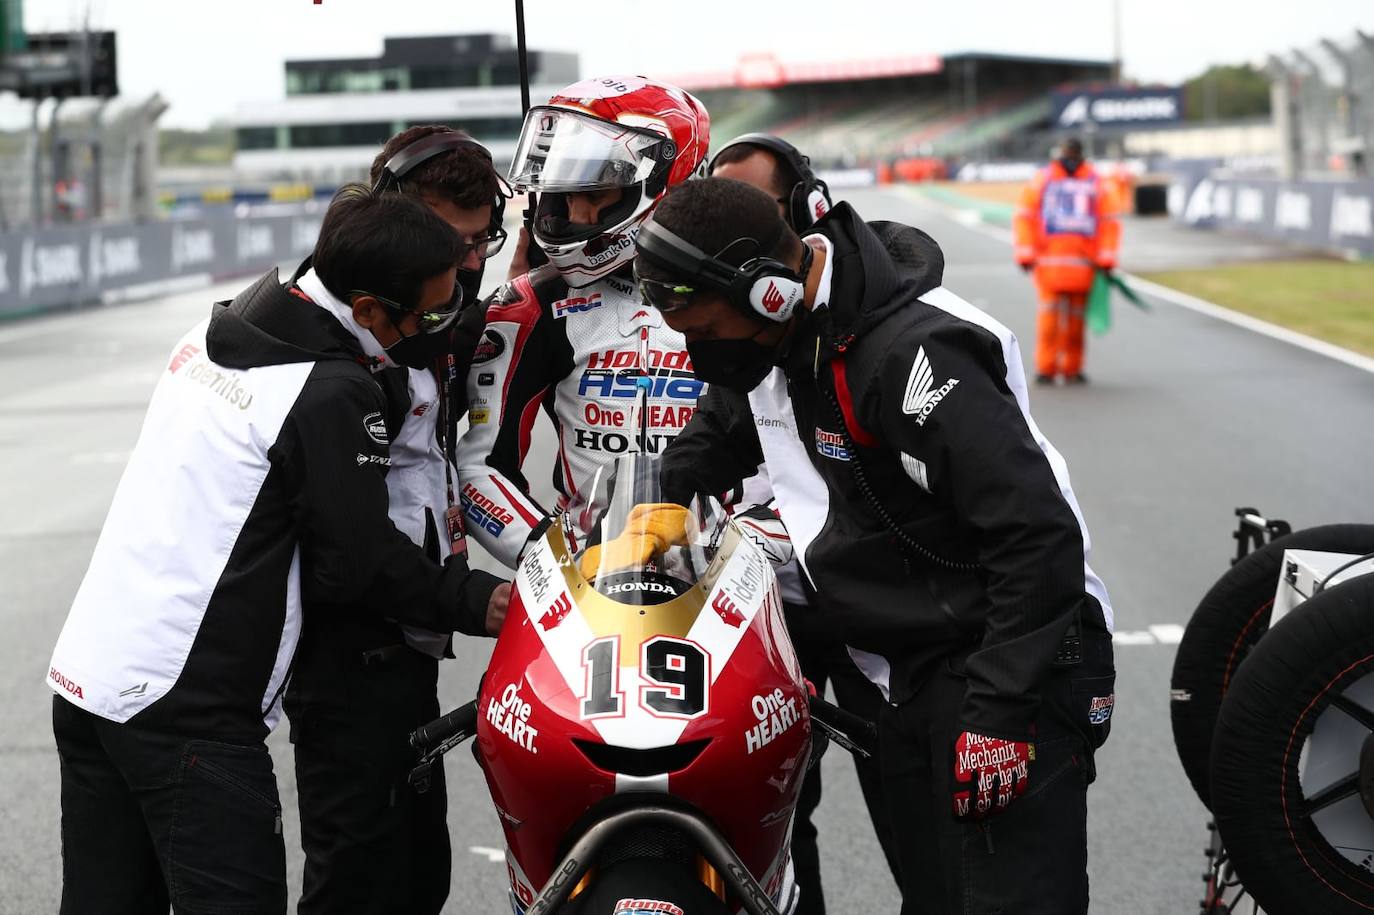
[[1277, 696], [1224, 627]]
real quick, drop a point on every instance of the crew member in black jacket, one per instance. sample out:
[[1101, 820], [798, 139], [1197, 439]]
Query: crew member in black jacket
[[255, 497], [935, 522], [361, 685]]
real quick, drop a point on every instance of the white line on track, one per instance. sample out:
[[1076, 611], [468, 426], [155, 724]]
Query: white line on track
[[494, 855], [1158, 634], [974, 220]]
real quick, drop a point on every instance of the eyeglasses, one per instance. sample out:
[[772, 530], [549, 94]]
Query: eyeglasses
[[432, 321], [667, 297], [488, 243]]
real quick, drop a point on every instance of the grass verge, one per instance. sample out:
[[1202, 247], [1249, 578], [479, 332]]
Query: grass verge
[[1331, 300]]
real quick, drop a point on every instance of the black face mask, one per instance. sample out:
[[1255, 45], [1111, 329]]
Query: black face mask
[[1070, 165], [419, 351], [739, 365], [470, 282]]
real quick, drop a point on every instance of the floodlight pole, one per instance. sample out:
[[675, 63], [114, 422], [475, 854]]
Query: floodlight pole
[[1116, 42]]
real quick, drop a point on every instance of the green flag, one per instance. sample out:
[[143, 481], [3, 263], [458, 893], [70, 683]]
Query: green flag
[[1099, 309]]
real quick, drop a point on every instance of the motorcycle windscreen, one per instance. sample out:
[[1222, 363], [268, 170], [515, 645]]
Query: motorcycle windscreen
[[642, 550]]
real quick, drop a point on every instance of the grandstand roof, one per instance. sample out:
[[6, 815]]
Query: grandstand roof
[[758, 71]]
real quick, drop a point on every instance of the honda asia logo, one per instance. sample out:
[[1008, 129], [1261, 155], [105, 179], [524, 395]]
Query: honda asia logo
[[674, 384], [511, 716], [1100, 709], [71, 686], [831, 445], [576, 305], [483, 512], [646, 907], [557, 612]]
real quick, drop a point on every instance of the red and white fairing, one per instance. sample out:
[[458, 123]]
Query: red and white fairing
[[713, 664]]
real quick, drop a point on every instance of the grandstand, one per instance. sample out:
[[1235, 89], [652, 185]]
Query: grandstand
[[869, 112]]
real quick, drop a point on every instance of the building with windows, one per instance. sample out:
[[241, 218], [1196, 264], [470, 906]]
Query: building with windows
[[337, 113]]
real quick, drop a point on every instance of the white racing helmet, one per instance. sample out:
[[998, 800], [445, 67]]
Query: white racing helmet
[[620, 132]]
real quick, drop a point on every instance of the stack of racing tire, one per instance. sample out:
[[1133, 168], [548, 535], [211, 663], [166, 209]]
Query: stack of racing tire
[[1296, 827]]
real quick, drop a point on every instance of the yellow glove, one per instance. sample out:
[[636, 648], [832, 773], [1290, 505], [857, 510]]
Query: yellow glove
[[651, 528]]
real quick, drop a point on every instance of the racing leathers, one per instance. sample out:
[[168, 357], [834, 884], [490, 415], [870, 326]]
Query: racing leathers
[[575, 353], [944, 542]]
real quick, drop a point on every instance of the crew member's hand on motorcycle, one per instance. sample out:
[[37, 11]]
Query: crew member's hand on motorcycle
[[989, 773], [496, 608], [650, 529]]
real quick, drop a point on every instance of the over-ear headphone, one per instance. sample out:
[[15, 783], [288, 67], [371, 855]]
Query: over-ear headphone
[[410, 156], [761, 286], [809, 198]]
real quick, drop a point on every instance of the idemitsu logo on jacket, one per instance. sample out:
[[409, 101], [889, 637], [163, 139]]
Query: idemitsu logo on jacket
[[922, 397]]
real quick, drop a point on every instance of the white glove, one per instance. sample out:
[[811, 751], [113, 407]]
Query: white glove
[[765, 529]]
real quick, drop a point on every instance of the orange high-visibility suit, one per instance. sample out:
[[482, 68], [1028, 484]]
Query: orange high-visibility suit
[[1067, 229]]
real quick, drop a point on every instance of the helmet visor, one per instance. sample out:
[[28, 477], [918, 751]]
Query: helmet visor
[[563, 150]]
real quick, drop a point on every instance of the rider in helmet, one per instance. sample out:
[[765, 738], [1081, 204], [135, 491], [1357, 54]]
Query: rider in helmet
[[572, 336]]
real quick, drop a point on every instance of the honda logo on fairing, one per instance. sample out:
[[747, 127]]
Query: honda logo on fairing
[[654, 586]]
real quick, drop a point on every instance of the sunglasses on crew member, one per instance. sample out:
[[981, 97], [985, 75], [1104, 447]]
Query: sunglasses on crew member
[[432, 321], [666, 296]]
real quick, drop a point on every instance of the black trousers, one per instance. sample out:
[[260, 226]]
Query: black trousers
[[824, 660], [372, 844], [1031, 859], [152, 821]]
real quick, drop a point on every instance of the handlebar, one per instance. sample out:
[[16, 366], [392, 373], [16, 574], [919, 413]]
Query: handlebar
[[460, 723], [857, 735]]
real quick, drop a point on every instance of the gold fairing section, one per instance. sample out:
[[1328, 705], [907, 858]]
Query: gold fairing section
[[635, 624]]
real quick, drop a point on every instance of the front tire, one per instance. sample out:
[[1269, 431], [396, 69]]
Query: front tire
[[1226, 625]]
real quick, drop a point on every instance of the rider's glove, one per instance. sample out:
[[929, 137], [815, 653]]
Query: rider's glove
[[766, 531], [989, 773], [650, 529]]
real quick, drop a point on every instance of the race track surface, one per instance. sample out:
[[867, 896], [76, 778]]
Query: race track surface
[[1186, 418]]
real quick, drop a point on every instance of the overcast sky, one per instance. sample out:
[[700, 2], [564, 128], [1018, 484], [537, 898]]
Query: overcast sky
[[207, 56]]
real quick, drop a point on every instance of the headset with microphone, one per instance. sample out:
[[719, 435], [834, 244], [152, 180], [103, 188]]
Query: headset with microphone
[[412, 155], [809, 198], [761, 287]]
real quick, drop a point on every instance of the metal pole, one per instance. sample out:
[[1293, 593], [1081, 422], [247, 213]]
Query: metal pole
[[1116, 41], [524, 56], [36, 179], [55, 150]]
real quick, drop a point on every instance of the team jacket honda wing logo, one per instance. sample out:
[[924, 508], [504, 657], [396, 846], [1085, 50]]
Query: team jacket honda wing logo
[[922, 397]]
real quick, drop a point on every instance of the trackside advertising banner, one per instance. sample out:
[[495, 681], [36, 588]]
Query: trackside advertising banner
[[1073, 109], [45, 269], [1335, 215]]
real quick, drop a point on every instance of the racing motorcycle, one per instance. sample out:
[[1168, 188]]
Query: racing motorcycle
[[643, 726]]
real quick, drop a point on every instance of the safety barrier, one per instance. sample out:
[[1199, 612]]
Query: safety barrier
[[62, 267], [1330, 215]]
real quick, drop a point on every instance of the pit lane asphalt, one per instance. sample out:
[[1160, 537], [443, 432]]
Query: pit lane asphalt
[[1186, 418]]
